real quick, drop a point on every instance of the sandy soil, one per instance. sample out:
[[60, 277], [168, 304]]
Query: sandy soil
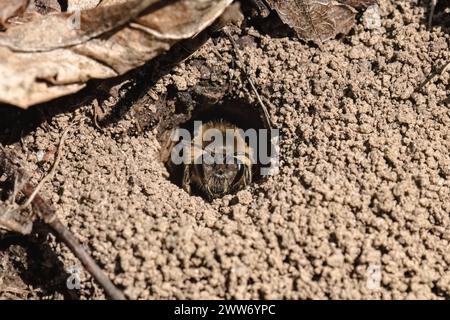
[[364, 182]]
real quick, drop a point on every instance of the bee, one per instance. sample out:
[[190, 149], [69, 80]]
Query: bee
[[216, 168]]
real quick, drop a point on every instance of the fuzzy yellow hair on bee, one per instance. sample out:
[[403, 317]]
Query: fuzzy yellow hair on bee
[[214, 178]]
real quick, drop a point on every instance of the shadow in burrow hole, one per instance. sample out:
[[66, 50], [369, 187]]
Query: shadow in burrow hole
[[36, 263], [441, 15], [214, 105]]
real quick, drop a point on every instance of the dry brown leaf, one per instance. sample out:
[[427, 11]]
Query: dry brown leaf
[[68, 29], [11, 8], [48, 57], [74, 5], [316, 20], [44, 7], [359, 4]]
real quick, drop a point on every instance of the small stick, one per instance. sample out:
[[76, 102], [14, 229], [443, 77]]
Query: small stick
[[48, 215], [95, 106], [91, 266], [52, 171], [70, 240], [241, 60]]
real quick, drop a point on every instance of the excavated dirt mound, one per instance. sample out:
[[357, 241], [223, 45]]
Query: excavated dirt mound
[[359, 210]]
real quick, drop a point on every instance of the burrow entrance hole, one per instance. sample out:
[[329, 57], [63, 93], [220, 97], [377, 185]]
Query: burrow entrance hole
[[231, 110]]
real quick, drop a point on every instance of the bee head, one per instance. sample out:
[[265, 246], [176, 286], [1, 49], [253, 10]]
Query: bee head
[[221, 177]]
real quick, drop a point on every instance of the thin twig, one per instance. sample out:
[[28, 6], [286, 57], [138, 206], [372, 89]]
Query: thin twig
[[242, 62], [48, 215], [95, 107], [91, 266], [15, 189], [52, 171]]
